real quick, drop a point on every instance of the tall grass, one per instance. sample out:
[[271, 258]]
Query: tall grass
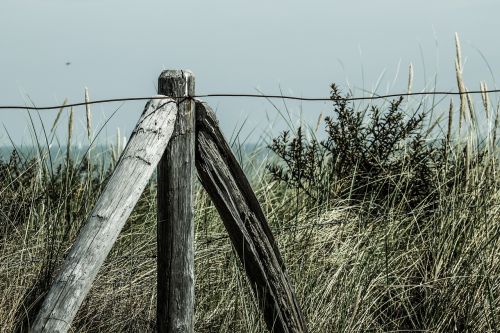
[[362, 259]]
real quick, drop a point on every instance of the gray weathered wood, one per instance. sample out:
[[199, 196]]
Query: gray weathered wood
[[135, 167], [175, 230], [229, 189]]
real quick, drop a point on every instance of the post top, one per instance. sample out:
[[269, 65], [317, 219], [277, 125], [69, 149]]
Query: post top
[[176, 82], [176, 73]]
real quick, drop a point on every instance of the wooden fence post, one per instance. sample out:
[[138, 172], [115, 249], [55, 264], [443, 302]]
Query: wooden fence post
[[131, 175], [175, 230], [232, 195]]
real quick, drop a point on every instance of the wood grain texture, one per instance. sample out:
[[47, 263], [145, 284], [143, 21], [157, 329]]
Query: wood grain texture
[[229, 189], [132, 173], [175, 229]]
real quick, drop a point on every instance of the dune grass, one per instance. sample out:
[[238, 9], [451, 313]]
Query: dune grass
[[363, 256], [431, 269]]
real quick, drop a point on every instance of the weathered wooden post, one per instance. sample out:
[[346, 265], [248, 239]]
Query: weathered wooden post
[[131, 175], [175, 231], [228, 187]]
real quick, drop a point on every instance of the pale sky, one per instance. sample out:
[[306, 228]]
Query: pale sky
[[118, 49]]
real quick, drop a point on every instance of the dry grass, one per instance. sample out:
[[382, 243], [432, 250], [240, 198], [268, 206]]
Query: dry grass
[[435, 268], [352, 272]]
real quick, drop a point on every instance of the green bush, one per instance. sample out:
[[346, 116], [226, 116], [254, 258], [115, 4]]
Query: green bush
[[369, 155]]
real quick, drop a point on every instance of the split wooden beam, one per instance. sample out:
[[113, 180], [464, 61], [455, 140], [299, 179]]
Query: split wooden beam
[[131, 175], [230, 190]]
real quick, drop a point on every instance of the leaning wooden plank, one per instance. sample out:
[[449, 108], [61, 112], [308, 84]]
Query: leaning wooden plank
[[229, 189], [135, 167]]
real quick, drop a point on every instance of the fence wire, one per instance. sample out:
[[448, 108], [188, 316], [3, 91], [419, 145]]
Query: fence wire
[[287, 97]]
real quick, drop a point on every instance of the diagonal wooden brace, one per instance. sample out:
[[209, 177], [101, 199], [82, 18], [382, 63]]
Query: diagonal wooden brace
[[229, 189], [131, 175]]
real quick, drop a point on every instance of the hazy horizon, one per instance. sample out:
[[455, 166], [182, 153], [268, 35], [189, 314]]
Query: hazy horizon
[[52, 50]]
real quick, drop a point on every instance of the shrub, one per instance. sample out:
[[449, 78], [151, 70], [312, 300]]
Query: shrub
[[367, 153]]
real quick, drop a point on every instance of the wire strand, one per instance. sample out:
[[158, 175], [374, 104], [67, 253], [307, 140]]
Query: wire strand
[[309, 99]]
